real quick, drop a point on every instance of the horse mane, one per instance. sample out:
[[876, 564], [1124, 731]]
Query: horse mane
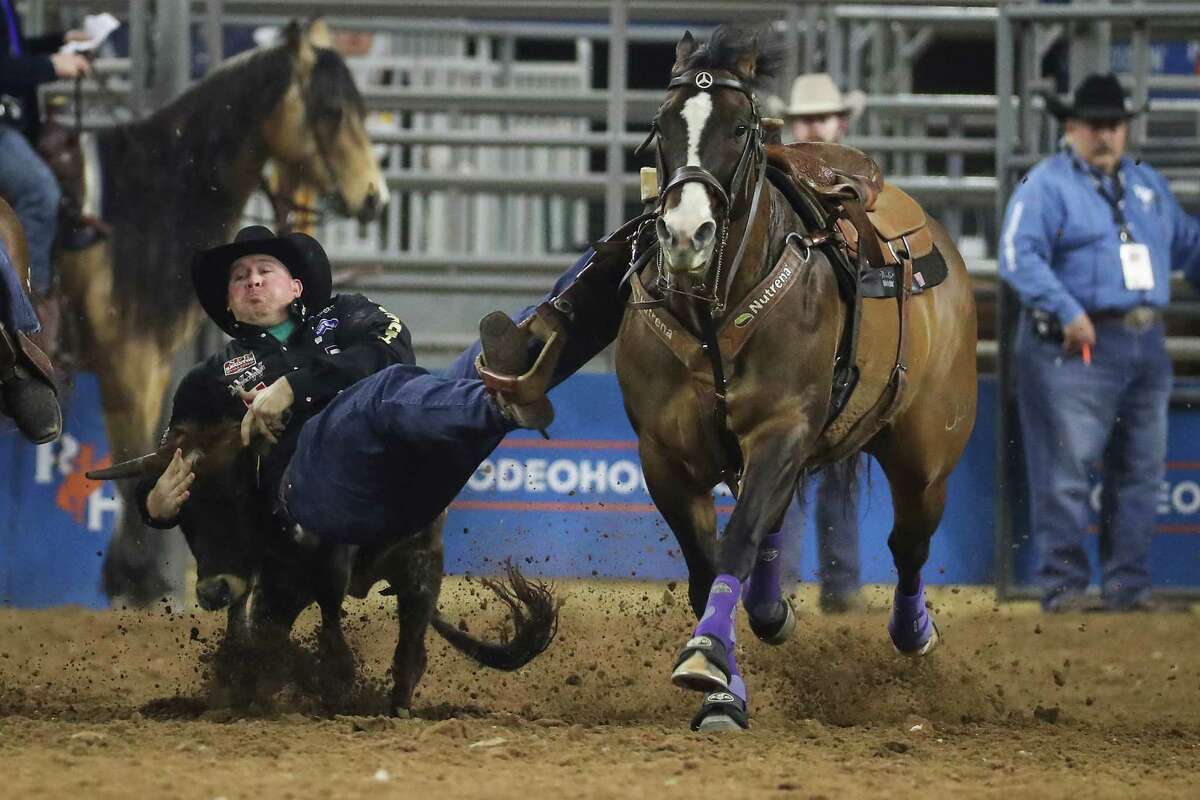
[[332, 83], [728, 43], [175, 182]]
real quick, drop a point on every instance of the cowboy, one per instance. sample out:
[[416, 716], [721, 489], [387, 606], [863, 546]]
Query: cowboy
[[367, 445], [1088, 243], [27, 392], [25, 179], [818, 111]]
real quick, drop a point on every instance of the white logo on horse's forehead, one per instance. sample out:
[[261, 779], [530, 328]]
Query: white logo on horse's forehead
[[704, 79]]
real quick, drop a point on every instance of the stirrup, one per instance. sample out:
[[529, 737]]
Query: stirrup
[[534, 383]]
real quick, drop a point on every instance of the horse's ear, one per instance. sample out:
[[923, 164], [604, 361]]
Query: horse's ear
[[300, 46], [686, 46], [747, 63], [318, 33]]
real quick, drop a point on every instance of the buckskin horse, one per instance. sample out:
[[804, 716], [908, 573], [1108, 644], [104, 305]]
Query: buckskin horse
[[175, 183], [782, 318]]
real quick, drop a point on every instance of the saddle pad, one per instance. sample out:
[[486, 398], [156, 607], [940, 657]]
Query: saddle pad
[[928, 271]]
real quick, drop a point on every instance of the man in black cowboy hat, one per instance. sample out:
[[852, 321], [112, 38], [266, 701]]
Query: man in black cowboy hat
[[1089, 240], [294, 346], [373, 446]]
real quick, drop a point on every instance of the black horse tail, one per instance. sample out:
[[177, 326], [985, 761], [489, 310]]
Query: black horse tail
[[533, 610]]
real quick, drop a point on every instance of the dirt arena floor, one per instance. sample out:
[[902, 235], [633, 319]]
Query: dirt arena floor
[[1016, 704]]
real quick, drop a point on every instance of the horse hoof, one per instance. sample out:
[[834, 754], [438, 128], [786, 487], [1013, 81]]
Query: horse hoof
[[702, 666], [717, 723], [935, 638], [778, 631], [721, 711], [699, 674], [401, 713]]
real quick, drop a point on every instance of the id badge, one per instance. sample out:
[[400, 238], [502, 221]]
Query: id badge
[[1135, 264]]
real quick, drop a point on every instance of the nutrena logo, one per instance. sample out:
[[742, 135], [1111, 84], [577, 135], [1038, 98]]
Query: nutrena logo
[[763, 302]]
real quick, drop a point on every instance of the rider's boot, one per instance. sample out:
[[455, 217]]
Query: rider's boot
[[27, 391], [503, 364], [522, 361]]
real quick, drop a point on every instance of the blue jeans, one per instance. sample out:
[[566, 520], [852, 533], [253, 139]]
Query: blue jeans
[[16, 312], [1073, 416], [32, 190], [389, 453], [837, 531]]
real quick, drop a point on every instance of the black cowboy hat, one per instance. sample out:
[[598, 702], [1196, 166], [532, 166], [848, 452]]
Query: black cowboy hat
[[300, 253], [1097, 97]]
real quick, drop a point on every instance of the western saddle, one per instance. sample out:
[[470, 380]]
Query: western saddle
[[845, 177]]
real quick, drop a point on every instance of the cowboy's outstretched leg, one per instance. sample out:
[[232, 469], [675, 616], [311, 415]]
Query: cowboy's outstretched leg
[[584, 308], [27, 389]]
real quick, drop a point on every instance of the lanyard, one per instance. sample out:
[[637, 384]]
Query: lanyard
[[1115, 201], [14, 38]]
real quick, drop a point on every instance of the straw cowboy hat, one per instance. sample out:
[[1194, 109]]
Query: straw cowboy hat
[[1097, 97], [816, 95]]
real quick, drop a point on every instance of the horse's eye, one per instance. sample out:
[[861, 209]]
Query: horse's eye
[[740, 131]]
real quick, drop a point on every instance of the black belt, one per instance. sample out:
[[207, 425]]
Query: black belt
[[1139, 317]]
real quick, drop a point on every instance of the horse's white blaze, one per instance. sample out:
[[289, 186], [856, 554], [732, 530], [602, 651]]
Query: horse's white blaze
[[694, 207], [696, 111]]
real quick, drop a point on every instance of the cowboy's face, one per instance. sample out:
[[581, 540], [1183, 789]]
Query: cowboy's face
[[260, 290], [1099, 142], [828, 128]]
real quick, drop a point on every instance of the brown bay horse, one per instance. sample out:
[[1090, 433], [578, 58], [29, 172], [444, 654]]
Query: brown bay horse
[[728, 358], [175, 183]]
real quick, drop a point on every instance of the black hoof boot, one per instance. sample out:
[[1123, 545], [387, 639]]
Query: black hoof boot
[[779, 628], [721, 711]]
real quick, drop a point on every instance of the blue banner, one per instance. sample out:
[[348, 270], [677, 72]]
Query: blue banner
[[55, 523], [577, 504], [572, 506]]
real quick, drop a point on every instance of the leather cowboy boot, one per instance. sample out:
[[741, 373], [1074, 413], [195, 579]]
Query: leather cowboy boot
[[520, 391], [27, 391], [587, 312]]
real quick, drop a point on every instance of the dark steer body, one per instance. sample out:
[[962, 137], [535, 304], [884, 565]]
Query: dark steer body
[[264, 577]]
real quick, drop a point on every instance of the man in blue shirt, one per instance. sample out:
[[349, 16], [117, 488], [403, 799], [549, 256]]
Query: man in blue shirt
[[1088, 243]]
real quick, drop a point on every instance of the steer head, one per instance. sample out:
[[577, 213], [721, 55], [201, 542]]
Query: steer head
[[225, 515]]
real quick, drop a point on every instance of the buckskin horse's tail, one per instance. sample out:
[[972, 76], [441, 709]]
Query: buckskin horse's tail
[[533, 610]]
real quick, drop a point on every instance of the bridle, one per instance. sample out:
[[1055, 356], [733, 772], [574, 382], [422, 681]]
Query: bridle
[[754, 152], [283, 206], [753, 158]]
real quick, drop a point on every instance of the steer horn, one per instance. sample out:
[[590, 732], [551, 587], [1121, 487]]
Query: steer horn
[[133, 468]]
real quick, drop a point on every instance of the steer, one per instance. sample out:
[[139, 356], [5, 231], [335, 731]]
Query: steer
[[247, 563]]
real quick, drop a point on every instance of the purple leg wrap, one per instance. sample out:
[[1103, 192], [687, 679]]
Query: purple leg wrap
[[910, 626], [718, 614], [763, 592], [737, 686]]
